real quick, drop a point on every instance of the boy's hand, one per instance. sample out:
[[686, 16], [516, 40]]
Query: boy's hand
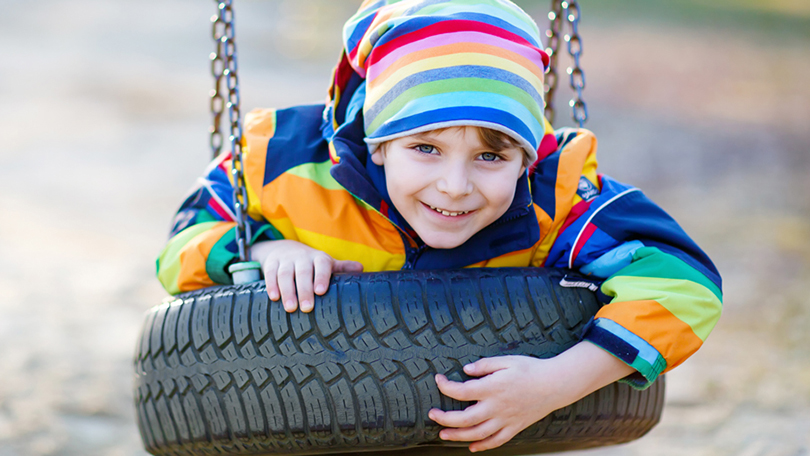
[[514, 392], [293, 270]]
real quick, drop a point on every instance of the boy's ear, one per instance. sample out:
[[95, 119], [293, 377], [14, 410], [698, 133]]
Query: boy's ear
[[377, 157]]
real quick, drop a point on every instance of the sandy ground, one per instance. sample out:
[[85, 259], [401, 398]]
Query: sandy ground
[[103, 126]]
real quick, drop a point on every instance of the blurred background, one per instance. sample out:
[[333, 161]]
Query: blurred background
[[704, 104]]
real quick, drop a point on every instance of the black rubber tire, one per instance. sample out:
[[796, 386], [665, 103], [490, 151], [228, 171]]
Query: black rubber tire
[[226, 371]]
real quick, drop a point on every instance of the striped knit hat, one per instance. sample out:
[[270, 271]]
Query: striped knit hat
[[419, 65]]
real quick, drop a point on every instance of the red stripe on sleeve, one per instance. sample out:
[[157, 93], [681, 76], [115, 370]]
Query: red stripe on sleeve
[[586, 234], [218, 209], [576, 211]]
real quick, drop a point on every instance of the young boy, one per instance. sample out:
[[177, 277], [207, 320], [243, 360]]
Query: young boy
[[433, 152]]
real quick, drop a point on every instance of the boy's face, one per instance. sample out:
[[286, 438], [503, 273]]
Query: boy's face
[[447, 184]]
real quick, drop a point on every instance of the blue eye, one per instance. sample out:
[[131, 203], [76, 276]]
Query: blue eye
[[489, 156], [425, 148]]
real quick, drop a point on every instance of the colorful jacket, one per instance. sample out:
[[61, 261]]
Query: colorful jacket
[[662, 293]]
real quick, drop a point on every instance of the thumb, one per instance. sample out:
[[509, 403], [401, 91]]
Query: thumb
[[347, 266], [486, 366]]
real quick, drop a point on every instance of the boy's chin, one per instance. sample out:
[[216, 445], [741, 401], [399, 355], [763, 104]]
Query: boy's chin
[[443, 241]]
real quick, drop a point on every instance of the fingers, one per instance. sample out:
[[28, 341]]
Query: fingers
[[486, 366], [271, 279], [348, 266], [462, 391], [471, 416], [473, 424], [471, 434], [297, 282], [295, 272], [286, 285], [493, 441], [303, 282], [323, 272], [310, 276]]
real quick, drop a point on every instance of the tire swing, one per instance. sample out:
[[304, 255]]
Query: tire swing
[[223, 370]]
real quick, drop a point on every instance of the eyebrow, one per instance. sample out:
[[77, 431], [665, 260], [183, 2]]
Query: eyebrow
[[423, 136], [426, 137]]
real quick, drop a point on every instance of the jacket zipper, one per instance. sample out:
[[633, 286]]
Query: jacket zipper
[[412, 256]]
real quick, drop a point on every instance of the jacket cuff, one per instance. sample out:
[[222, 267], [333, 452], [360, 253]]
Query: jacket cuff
[[629, 348]]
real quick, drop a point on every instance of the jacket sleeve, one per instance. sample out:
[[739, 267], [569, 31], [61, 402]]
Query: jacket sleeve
[[662, 294], [202, 241]]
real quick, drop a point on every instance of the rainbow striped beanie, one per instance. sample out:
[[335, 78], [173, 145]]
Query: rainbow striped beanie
[[419, 65]]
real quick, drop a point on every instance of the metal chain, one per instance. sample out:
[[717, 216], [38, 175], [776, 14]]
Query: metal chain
[[217, 69], [553, 34], [567, 11], [572, 15], [223, 66]]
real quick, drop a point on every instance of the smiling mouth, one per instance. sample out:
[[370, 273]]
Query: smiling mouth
[[447, 213]]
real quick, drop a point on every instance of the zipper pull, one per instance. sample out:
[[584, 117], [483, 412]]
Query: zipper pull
[[417, 254], [411, 255]]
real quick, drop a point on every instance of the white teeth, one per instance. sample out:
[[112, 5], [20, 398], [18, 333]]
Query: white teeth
[[447, 213]]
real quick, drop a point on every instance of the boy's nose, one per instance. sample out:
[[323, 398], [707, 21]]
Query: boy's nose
[[455, 182]]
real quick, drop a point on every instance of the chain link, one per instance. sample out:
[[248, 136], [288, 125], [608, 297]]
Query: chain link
[[552, 49], [577, 76], [568, 12], [224, 69], [217, 69]]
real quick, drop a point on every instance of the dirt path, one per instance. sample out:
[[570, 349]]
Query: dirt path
[[103, 126]]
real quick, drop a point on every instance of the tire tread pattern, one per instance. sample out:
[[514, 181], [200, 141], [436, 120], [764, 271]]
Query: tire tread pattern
[[225, 371]]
